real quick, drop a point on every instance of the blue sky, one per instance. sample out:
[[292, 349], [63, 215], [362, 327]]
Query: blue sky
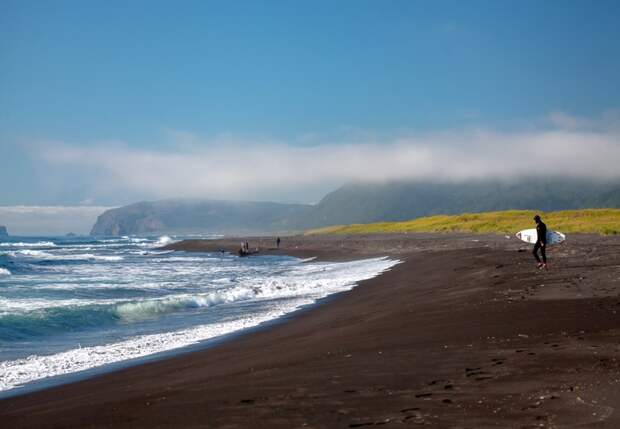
[[150, 82]]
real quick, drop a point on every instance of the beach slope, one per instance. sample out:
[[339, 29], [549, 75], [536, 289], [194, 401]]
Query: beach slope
[[465, 332]]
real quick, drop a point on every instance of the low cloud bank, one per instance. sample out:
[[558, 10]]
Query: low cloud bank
[[49, 220], [231, 168]]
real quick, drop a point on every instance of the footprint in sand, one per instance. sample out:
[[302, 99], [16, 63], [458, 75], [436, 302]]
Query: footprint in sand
[[477, 373], [484, 377], [376, 423], [418, 419], [359, 425]]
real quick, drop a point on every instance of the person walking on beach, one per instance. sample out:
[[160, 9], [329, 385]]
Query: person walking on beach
[[541, 242], [278, 242]]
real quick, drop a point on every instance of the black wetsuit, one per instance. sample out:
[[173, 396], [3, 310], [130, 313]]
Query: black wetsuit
[[541, 230]]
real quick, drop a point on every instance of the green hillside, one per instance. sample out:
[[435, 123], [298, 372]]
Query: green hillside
[[598, 221], [402, 201]]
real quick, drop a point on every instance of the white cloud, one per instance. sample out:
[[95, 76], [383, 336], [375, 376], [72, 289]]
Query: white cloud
[[563, 120], [227, 167], [608, 121]]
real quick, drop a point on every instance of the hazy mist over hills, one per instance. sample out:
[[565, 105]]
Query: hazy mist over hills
[[356, 203], [199, 216], [49, 220]]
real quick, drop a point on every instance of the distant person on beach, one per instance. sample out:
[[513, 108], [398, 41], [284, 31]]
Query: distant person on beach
[[541, 242], [278, 242]]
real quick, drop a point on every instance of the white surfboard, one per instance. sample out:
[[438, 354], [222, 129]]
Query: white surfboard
[[530, 236]]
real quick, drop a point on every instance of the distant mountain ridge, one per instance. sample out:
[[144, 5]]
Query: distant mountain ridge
[[196, 216], [355, 203], [403, 201]]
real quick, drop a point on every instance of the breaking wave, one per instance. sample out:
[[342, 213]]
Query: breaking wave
[[37, 244], [163, 240], [20, 371], [40, 254], [125, 299]]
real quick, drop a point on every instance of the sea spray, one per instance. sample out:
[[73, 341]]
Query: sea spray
[[163, 240]]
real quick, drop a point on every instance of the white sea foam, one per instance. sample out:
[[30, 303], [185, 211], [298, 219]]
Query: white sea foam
[[124, 240], [33, 253], [40, 254], [301, 281], [303, 285], [89, 256], [20, 371], [150, 252], [16, 306], [184, 259], [163, 240], [81, 284], [4, 272], [135, 311], [37, 244]]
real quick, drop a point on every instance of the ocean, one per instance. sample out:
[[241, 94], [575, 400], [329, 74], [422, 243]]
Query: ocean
[[69, 305]]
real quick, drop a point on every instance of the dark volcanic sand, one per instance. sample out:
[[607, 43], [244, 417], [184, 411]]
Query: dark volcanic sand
[[465, 333]]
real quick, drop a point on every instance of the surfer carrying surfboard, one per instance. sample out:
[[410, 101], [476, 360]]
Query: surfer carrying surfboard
[[541, 242]]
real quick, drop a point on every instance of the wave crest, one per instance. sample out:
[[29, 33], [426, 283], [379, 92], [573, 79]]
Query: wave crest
[[39, 254], [163, 240], [37, 244]]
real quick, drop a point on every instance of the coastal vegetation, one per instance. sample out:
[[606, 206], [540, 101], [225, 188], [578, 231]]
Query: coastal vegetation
[[597, 221]]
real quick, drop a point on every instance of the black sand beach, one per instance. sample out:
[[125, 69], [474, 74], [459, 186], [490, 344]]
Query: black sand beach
[[465, 333]]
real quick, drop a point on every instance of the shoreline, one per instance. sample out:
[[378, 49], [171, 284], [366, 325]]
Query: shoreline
[[462, 333], [59, 380]]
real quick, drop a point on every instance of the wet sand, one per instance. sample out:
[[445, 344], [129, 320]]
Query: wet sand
[[465, 333]]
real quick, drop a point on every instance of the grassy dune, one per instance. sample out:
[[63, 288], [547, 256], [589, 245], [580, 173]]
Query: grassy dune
[[598, 221]]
